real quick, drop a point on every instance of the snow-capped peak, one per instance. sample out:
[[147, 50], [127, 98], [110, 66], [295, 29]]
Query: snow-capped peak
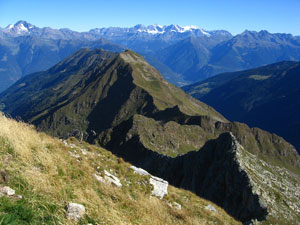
[[20, 27], [159, 29]]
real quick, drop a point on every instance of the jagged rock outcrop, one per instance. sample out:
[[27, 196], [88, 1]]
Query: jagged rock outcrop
[[215, 173]]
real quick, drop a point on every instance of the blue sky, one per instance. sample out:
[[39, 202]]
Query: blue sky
[[233, 15]]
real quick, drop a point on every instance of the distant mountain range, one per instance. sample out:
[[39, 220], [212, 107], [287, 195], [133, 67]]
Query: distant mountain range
[[25, 49], [119, 101], [183, 54], [267, 97]]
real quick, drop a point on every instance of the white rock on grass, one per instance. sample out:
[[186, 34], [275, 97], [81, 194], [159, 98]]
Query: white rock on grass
[[177, 205], [139, 171], [19, 196], [99, 178], [7, 191], [210, 208], [112, 179], [75, 211], [160, 187], [108, 178]]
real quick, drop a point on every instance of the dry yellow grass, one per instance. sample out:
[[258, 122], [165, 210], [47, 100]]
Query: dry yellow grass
[[45, 172]]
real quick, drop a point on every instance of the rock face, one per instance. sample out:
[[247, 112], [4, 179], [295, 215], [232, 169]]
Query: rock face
[[215, 172], [75, 211]]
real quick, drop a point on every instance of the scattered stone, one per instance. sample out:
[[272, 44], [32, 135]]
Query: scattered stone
[[112, 179], [160, 187], [252, 222], [74, 155], [75, 211], [65, 142], [99, 178], [7, 191], [19, 196], [177, 205], [211, 208], [84, 152]]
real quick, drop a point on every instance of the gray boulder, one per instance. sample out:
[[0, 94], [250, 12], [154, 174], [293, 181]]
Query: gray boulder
[[75, 211]]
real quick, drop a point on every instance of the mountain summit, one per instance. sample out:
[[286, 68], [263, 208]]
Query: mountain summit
[[21, 27], [96, 84]]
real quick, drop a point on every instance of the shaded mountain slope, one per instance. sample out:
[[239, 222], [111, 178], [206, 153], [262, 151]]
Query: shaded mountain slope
[[265, 97], [119, 101]]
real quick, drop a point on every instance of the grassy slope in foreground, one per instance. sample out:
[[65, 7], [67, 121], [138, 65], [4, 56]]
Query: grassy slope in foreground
[[48, 176]]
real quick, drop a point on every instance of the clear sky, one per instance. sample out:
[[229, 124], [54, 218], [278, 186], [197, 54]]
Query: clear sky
[[233, 15]]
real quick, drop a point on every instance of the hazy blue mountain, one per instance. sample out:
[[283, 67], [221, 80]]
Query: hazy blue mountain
[[267, 97], [25, 49], [178, 52], [196, 60], [183, 54], [153, 38]]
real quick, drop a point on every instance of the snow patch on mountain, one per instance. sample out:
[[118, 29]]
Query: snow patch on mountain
[[21, 28], [9, 27]]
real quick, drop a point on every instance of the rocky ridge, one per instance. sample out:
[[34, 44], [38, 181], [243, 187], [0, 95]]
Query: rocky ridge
[[278, 188]]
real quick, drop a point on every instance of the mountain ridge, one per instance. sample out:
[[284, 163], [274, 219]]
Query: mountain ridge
[[251, 96]]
